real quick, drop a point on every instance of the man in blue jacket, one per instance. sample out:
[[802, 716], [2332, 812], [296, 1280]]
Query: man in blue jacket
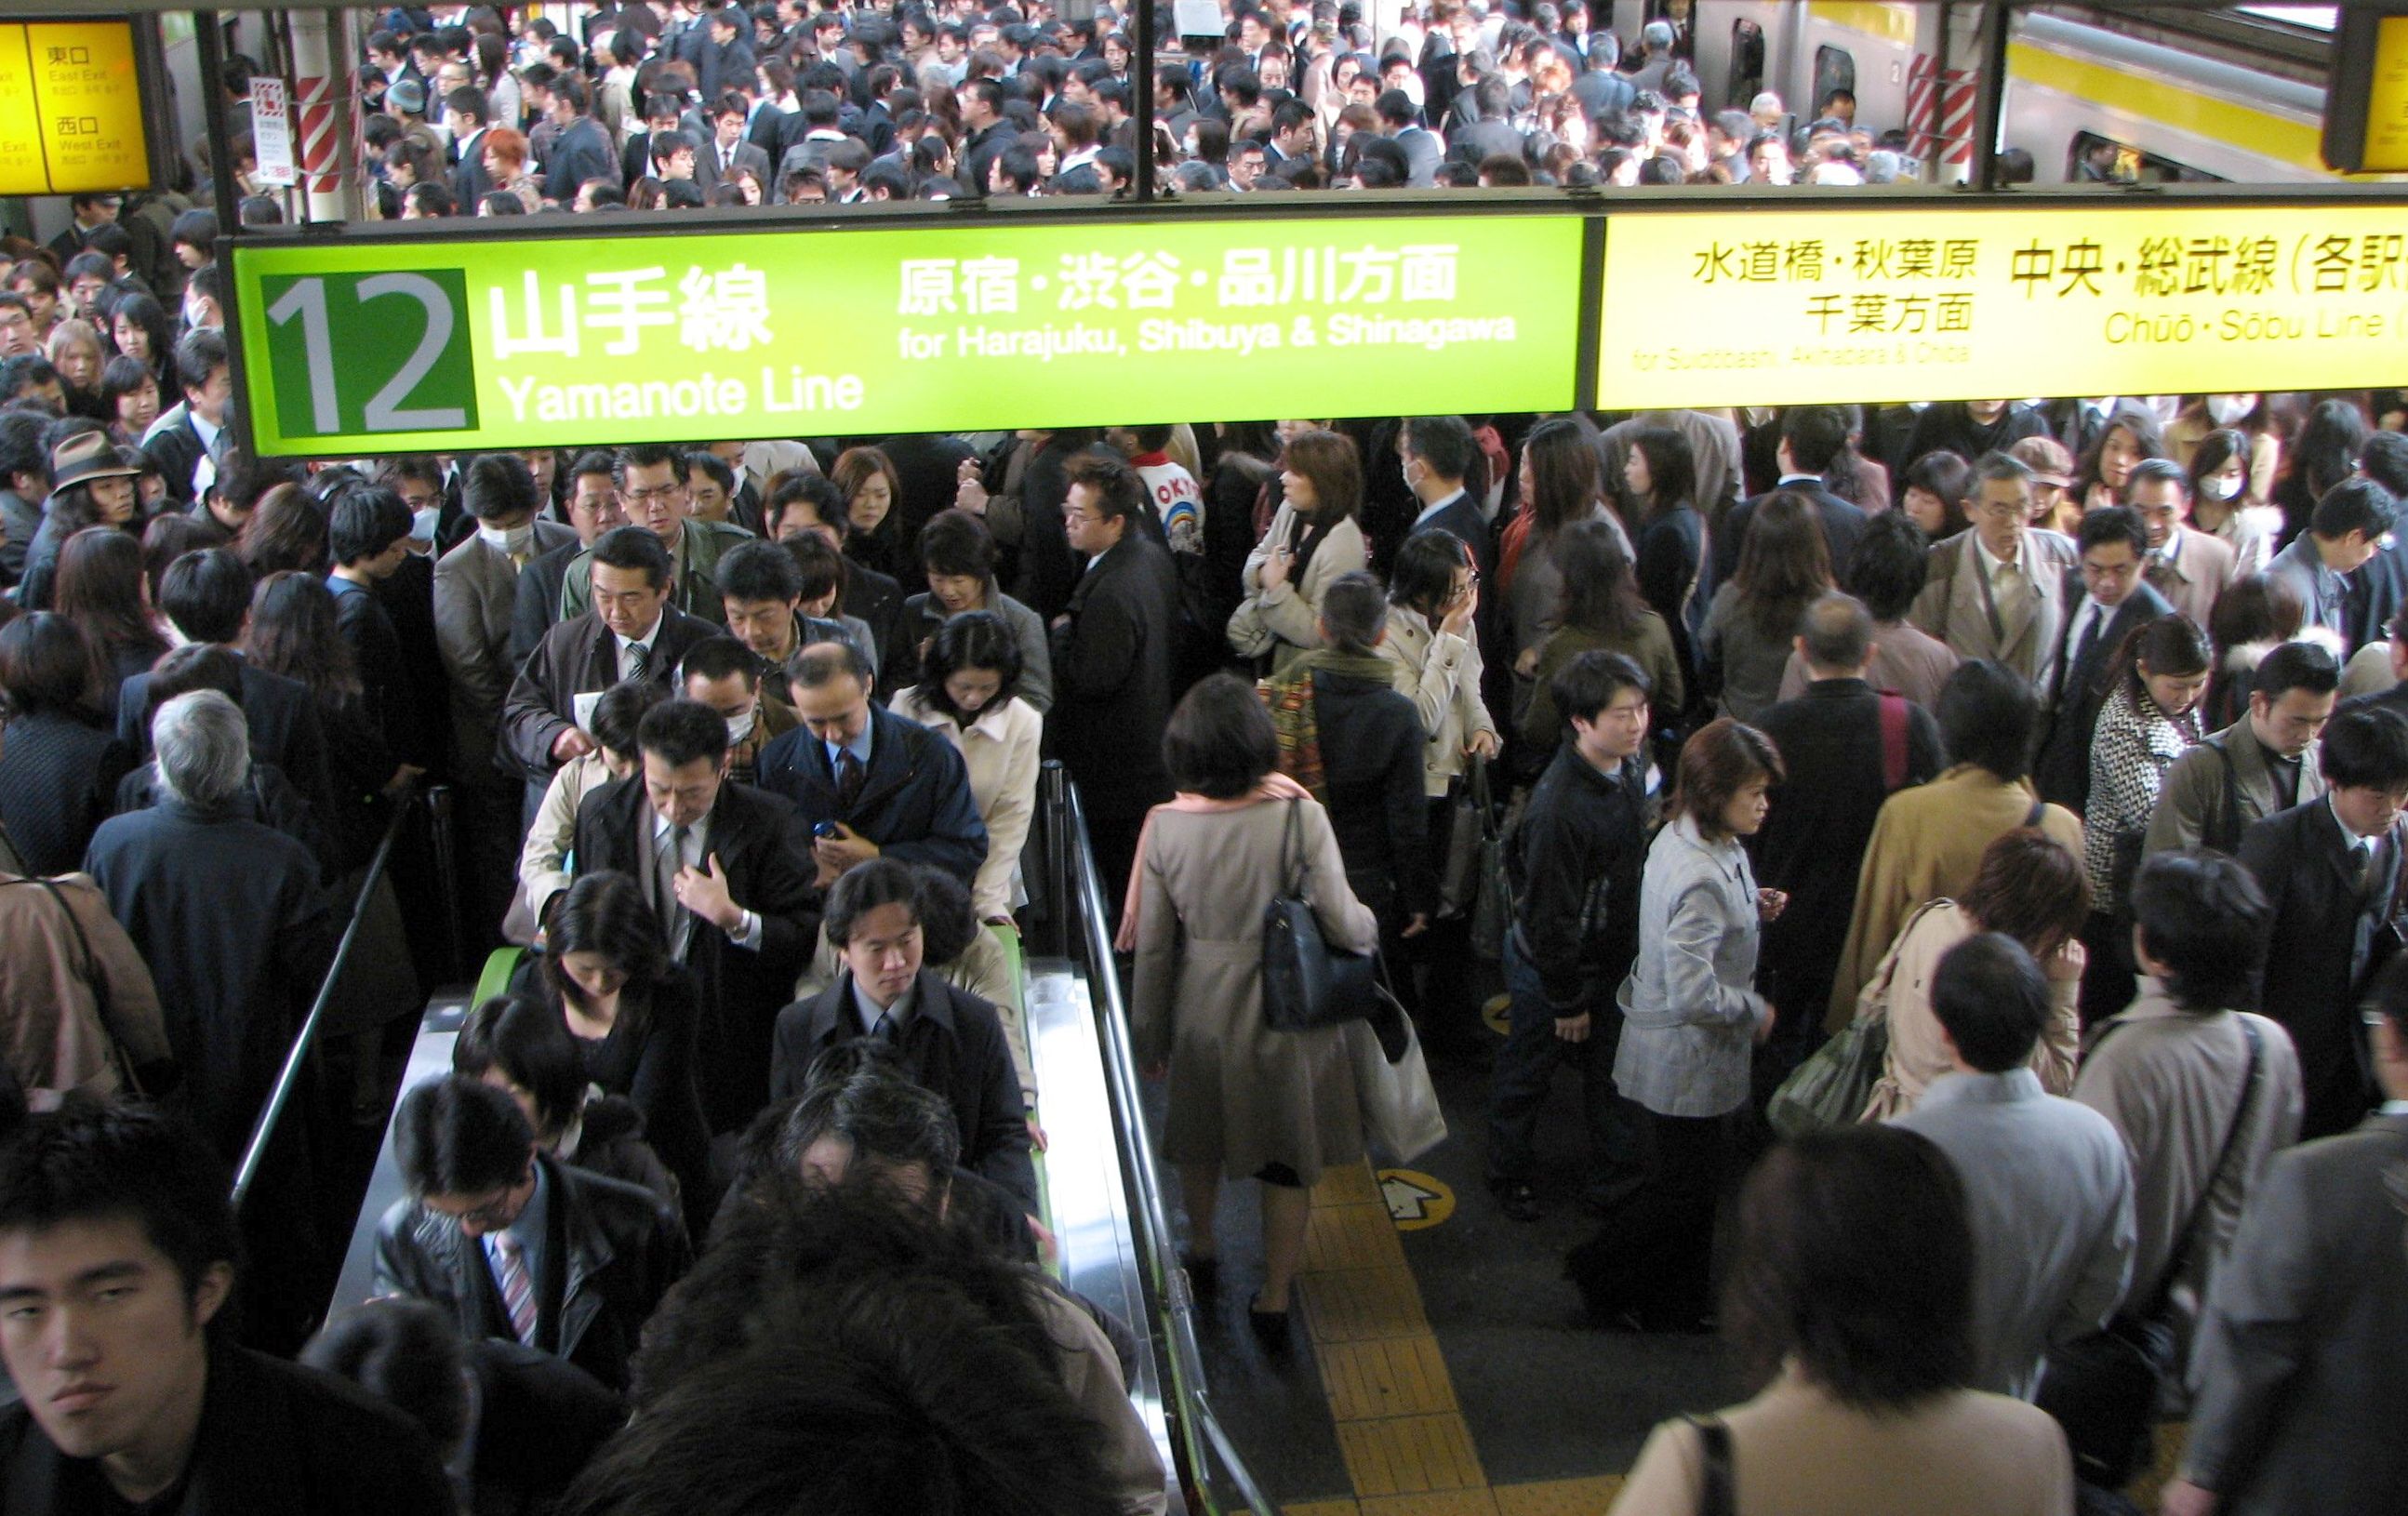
[[870, 783], [1579, 852]]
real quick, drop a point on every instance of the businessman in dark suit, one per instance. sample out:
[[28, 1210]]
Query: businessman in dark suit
[[726, 150], [2106, 599], [727, 868], [2332, 868], [947, 1039], [1812, 437], [466, 112], [889, 785], [1438, 452], [1113, 653], [632, 633]]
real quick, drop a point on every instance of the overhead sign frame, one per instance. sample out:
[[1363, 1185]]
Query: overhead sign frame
[[1600, 308]]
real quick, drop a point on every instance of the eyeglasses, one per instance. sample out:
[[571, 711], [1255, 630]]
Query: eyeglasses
[[658, 491]]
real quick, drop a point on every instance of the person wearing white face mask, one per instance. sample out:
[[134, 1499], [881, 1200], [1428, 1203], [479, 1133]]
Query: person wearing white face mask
[[475, 589], [2222, 502], [726, 675]]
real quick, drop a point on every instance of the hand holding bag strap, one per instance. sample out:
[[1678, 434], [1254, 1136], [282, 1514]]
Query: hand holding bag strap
[[1719, 1495], [2184, 1239], [1292, 852]]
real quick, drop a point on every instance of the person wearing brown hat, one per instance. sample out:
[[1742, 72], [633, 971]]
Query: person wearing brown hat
[[2052, 467], [90, 485]]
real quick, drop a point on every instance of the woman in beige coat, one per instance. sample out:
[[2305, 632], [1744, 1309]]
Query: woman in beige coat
[[1311, 541], [2033, 890], [1850, 1301], [1243, 1099]]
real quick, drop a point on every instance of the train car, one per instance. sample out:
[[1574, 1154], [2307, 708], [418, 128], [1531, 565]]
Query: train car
[[2184, 95]]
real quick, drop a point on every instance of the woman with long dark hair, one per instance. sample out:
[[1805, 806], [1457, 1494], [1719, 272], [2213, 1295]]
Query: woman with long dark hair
[[2131, 433], [1659, 477], [1559, 486], [286, 532], [129, 394], [101, 588], [634, 1012], [2321, 456], [1598, 608], [873, 500], [138, 328], [1784, 567]]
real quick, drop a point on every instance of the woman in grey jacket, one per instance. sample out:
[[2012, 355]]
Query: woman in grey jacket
[[1690, 1022]]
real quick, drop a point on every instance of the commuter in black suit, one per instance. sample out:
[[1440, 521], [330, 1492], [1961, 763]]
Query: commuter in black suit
[[515, 1244], [206, 595], [727, 869], [1812, 437], [2106, 600], [632, 632], [1836, 747], [949, 1040], [1439, 453], [2332, 868], [1113, 648], [466, 112]]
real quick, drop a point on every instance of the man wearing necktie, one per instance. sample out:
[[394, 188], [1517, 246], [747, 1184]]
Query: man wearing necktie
[[948, 1041], [516, 1244], [868, 782], [2332, 868], [727, 151], [726, 870], [2107, 599], [1995, 591]]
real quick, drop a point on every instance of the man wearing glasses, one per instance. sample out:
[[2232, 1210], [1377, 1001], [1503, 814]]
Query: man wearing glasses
[[651, 481], [516, 1244], [1998, 591]]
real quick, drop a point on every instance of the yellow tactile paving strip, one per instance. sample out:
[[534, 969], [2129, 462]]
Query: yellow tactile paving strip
[[1408, 1449]]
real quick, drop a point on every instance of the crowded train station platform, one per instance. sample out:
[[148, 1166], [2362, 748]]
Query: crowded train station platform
[[1355, 757]]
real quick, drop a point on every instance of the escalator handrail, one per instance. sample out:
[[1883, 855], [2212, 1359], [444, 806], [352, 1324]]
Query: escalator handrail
[[288, 1077], [1187, 1383]]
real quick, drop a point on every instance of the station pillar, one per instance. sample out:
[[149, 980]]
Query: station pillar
[[327, 113]]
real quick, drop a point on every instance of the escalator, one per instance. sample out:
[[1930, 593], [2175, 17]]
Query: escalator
[[1102, 1199]]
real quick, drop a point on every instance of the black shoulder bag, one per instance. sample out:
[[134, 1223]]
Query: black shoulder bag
[[2104, 1388], [1720, 1494], [1307, 983]]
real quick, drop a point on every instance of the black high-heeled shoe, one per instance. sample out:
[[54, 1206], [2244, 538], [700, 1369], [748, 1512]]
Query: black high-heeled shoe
[[1203, 1274]]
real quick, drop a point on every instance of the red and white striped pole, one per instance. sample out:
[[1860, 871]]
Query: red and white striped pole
[[326, 111], [1940, 116]]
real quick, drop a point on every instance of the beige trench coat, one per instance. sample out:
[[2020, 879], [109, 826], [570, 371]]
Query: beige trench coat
[[1242, 1095]]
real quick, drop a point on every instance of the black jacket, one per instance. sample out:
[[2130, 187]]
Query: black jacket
[[539, 1420], [915, 800], [1842, 524], [764, 854], [612, 1251], [951, 1046], [2321, 950], [875, 599], [1111, 678], [1462, 517], [1580, 850], [282, 717], [535, 609], [230, 917], [1371, 752], [275, 1439], [59, 773], [2063, 772], [1815, 835]]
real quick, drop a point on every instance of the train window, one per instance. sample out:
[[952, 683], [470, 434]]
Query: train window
[[2101, 160], [1835, 70], [1746, 64]]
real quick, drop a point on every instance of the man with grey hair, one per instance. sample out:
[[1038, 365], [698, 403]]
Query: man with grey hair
[[1998, 590], [1656, 40], [228, 912], [1847, 746]]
